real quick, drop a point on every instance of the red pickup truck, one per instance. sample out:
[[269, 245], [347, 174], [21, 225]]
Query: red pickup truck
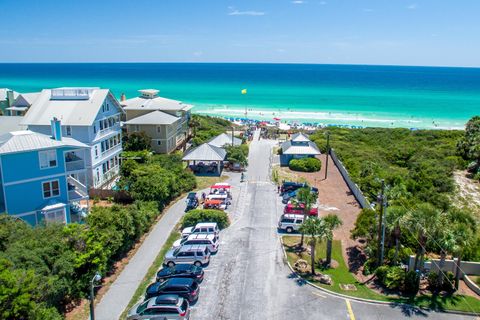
[[298, 209]]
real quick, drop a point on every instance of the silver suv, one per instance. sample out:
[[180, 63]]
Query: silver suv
[[162, 307], [202, 227], [208, 239], [198, 255], [290, 222]]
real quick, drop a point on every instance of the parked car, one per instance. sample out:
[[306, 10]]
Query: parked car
[[181, 270], [168, 306], [192, 201], [198, 255], [202, 227], [298, 208], [183, 287], [290, 222], [287, 196], [288, 186], [208, 239]]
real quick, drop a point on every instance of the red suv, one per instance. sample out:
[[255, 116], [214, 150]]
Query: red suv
[[298, 209]]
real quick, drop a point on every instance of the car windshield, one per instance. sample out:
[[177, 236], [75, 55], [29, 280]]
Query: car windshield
[[142, 307]]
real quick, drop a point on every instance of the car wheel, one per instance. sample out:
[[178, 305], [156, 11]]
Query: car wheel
[[171, 264], [198, 263], [289, 230]]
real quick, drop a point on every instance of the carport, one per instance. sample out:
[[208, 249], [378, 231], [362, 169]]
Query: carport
[[206, 159]]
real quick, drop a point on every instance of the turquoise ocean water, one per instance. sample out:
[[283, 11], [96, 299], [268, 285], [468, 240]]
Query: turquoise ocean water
[[386, 96]]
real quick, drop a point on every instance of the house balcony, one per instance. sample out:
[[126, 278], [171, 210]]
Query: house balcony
[[105, 132], [76, 190], [73, 162], [108, 153]]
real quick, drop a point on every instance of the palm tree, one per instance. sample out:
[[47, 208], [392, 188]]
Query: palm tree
[[194, 124], [464, 238], [332, 222], [307, 198], [444, 239], [421, 220], [316, 228], [394, 218]]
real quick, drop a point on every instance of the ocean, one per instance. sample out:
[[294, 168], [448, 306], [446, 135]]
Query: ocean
[[381, 96]]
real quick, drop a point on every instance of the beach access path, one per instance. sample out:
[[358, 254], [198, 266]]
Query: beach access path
[[120, 293]]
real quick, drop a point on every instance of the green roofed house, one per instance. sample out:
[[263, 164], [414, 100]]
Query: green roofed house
[[299, 146], [7, 97], [164, 120]]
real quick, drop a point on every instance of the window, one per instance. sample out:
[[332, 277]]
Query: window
[[96, 151], [159, 143], [159, 129], [48, 159], [55, 215], [51, 189], [101, 125], [69, 130]]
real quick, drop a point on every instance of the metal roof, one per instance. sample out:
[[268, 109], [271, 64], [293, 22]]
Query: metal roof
[[155, 117], [224, 139], [304, 149], [205, 152], [299, 137], [70, 109], [10, 123], [21, 141], [26, 99], [157, 103]]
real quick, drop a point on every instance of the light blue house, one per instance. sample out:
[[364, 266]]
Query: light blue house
[[89, 115], [299, 146], [42, 177]]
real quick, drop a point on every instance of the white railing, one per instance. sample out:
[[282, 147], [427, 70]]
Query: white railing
[[105, 132], [75, 165], [109, 152], [76, 190]]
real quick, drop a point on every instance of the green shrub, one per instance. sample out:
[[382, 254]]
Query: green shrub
[[192, 217], [395, 278], [305, 164], [381, 273], [433, 282], [411, 283]]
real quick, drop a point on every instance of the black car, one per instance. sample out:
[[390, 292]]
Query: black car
[[289, 186], [181, 270], [192, 201], [184, 287]]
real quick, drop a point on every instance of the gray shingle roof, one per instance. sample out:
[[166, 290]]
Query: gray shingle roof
[[303, 149], [21, 141], [26, 99], [3, 94], [205, 152], [72, 112], [157, 103], [155, 117], [8, 124], [299, 137], [224, 139]]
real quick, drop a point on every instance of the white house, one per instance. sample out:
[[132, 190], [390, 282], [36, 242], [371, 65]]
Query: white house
[[89, 115]]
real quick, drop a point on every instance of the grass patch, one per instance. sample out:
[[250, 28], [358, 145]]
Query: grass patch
[[280, 174], [152, 270], [205, 182], [341, 275]]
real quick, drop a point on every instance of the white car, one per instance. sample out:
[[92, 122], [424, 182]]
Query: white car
[[203, 227], [208, 239]]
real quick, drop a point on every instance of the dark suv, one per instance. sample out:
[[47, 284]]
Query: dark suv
[[181, 271], [192, 201], [183, 287]]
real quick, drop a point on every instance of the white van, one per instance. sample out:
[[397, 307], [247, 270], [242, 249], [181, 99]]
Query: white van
[[290, 222], [202, 227], [208, 239]]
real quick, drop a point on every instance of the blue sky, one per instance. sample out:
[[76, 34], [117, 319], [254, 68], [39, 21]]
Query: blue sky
[[399, 32]]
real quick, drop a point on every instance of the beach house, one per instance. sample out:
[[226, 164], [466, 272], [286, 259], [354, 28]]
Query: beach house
[[43, 177], [299, 146], [89, 115], [7, 97], [165, 121], [22, 103]]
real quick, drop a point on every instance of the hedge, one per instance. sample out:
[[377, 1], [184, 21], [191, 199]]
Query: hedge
[[305, 164], [192, 217]]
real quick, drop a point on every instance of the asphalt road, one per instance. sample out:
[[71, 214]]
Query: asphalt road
[[248, 278]]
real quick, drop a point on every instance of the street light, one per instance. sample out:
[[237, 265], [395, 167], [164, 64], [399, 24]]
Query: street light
[[328, 153], [96, 278]]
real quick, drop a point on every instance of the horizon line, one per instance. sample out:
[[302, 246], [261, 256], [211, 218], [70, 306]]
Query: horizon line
[[233, 62]]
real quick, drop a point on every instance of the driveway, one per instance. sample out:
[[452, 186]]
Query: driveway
[[248, 278]]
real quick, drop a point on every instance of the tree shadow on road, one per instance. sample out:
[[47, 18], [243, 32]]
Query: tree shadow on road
[[298, 280]]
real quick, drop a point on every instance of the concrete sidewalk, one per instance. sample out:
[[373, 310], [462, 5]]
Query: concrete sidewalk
[[121, 291]]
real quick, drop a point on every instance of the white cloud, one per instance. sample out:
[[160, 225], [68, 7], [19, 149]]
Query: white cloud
[[198, 53], [413, 6], [298, 2], [245, 13]]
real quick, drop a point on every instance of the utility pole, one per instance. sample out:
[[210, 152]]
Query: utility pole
[[232, 136], [328, 154], [381, 227]]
